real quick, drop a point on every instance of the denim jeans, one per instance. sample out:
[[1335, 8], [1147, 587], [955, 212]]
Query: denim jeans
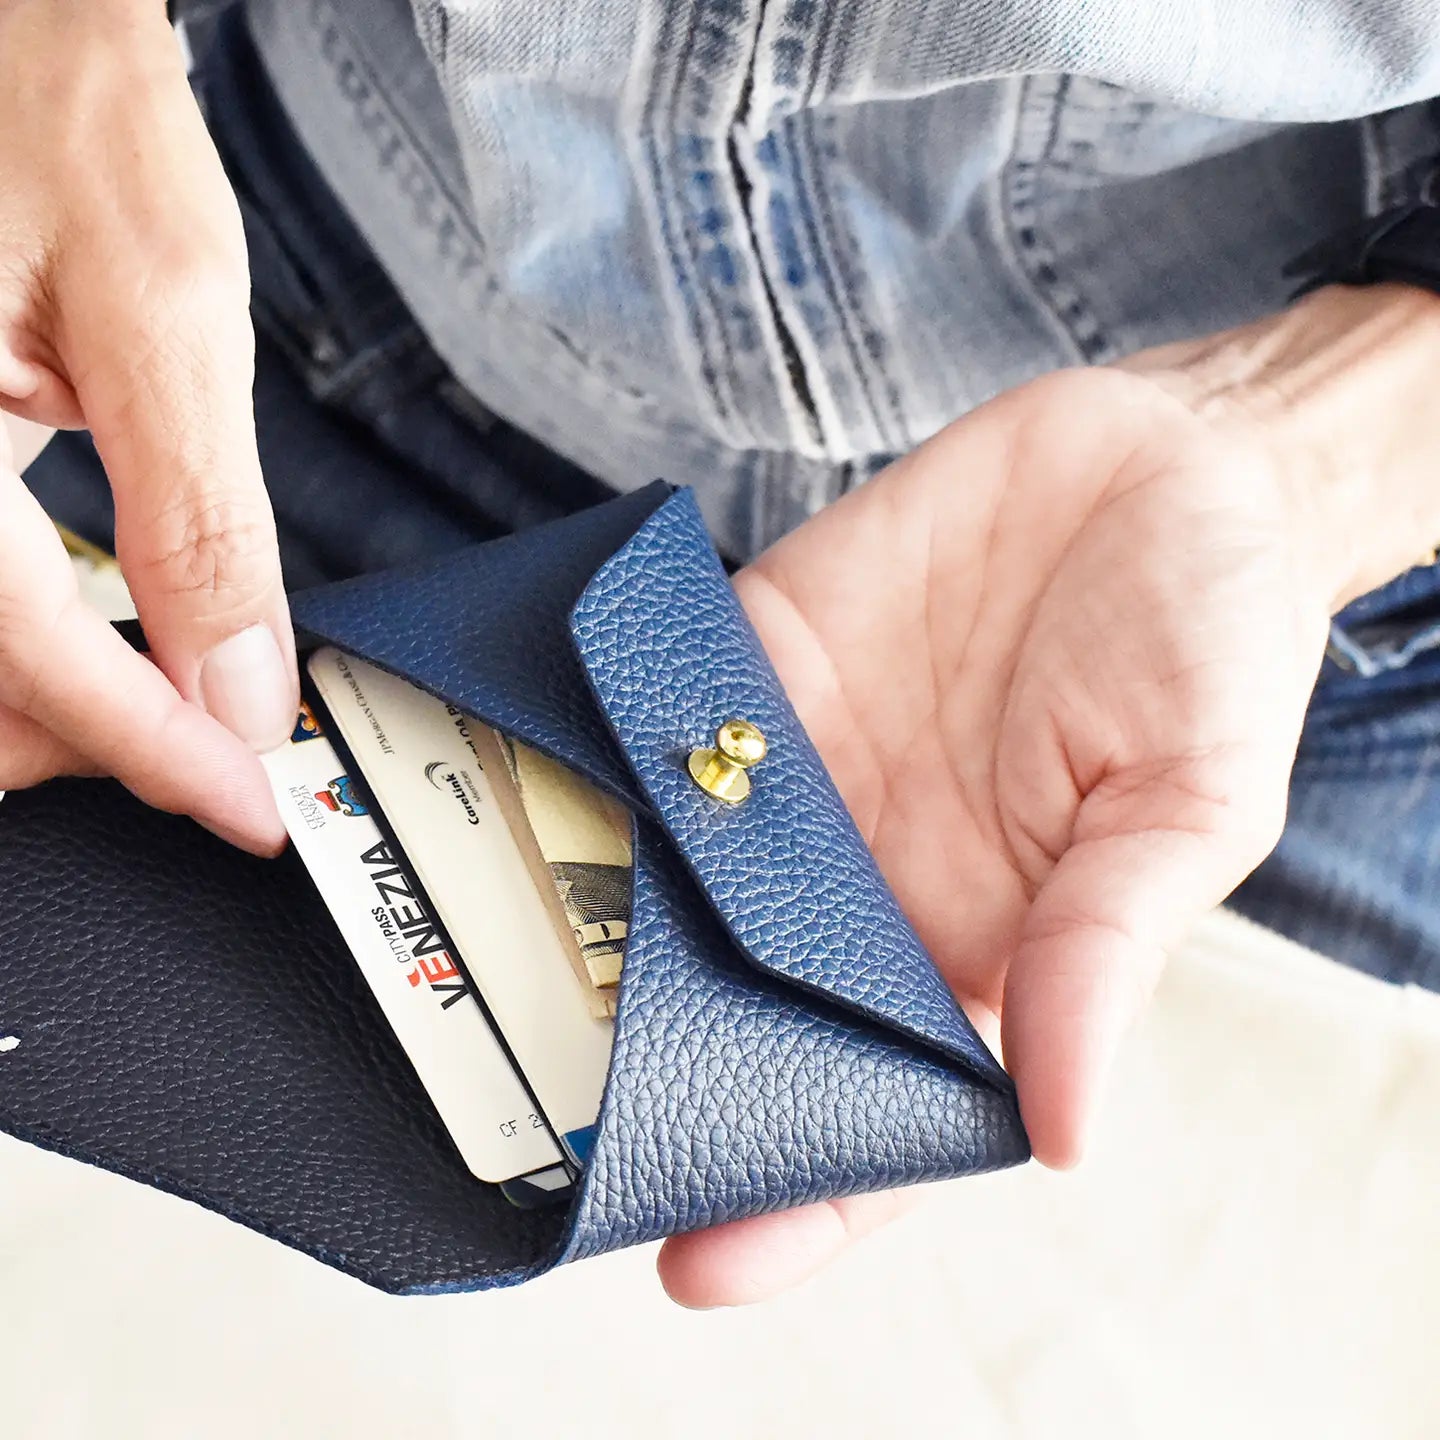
[[762, 246], [1357, 872], [375, 456]]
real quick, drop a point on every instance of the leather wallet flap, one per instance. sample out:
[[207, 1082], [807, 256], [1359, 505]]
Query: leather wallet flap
[[488, 631], [671, 656], [731, 1093], [614, 641]]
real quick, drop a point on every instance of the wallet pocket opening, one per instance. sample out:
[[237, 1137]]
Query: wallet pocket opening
[[630, 658]]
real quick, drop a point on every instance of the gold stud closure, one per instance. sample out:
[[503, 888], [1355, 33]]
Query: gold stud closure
[[721, 772]]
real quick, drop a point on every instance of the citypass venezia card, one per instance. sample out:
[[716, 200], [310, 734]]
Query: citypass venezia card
[[424, 994]]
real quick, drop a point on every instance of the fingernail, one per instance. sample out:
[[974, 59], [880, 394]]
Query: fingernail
[[247, 687], [267, 848]]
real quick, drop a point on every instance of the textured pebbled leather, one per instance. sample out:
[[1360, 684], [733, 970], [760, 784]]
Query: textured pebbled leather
[[733, 1093], [189, 1017], [489, 630], [671, 656]]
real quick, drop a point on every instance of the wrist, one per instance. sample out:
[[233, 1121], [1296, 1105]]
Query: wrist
[[1339, 389]]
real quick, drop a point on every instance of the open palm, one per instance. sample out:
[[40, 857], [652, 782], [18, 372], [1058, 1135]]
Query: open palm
[[1057, 660]]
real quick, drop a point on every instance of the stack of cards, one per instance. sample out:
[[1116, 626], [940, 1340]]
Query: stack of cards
[[576, 841], [384, 793]]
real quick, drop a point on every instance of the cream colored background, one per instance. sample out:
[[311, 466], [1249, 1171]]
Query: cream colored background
[[1252, 1251]]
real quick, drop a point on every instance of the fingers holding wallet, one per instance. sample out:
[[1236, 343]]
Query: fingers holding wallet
[[124, 307], [68, 672]]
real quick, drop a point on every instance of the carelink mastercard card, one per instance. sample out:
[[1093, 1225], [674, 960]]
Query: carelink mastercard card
[[407, 961]]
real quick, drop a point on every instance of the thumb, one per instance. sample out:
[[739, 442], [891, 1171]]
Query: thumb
[[195, 534], [1094, 942]]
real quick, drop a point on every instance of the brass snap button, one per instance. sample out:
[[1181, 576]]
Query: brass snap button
[[722, 771]]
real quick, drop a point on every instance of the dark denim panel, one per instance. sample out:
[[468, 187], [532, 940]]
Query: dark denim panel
[[1389, 628], [309, 455], [1355, 874]]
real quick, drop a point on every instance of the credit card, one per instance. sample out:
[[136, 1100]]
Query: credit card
[[542, 1190], [406, 962], [576, 841], [418, 759]]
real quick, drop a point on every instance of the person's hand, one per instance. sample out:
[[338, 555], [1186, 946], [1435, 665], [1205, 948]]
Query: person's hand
[[124, 308], [1057, 661]]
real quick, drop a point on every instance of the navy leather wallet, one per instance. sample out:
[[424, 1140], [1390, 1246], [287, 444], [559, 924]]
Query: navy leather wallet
[[189, 1017]]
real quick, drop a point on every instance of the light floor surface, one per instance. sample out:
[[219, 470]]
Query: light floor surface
[[1252, 1250]]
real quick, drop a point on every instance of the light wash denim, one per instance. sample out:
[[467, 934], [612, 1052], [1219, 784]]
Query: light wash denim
[[760, 246]]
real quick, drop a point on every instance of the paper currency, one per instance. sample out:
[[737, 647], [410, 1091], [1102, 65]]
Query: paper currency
[[579, 839]]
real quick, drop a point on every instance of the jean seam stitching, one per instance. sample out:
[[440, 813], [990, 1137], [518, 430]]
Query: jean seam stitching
[[827, 234], [675, 233], [1035, 259]]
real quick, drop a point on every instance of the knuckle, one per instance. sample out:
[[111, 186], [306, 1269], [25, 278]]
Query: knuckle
[[212, 280], [25, 761], [33, 764], [195, 303], [187, 368], [18, 773], [197, 313], [28, 627], [156, 783], [212, 546]]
